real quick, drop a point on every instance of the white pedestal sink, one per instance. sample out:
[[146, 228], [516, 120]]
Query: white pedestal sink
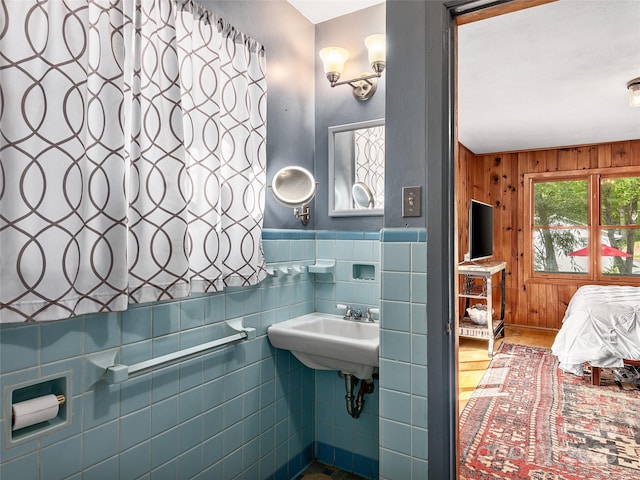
[[328, 342]]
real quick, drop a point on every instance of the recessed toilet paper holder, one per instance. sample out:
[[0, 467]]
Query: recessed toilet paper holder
[[37, 407], [32, 412], [61, 399]]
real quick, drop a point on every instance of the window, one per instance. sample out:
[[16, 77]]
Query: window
[[583, 225], [620, 225], [560, 219]]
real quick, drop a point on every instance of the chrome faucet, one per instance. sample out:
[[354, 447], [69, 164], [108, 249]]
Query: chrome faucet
[[368, 314], [350, 313]]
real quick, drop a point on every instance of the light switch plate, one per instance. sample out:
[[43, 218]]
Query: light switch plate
[[411, 202]]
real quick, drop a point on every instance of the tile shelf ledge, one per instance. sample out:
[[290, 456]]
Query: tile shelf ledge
[[323, 266], [280, 269]]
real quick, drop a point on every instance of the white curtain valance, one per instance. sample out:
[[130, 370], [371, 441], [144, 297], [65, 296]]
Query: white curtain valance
[[133, 155]]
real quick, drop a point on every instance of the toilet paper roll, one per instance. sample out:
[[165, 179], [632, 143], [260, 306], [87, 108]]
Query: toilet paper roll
[[34, 411]]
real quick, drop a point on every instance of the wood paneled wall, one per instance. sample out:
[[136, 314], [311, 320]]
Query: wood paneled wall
[[498, 179]]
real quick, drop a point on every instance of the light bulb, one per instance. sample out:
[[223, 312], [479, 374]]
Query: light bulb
[[333, 59], [634, 92], [376, 45]]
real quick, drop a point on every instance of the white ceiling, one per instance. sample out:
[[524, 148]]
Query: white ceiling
[[318, 11], [553, 75], [549, 76]]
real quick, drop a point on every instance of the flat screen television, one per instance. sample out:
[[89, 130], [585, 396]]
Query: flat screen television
[[480, 231]]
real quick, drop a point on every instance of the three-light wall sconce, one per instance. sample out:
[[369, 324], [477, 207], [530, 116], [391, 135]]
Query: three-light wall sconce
[[364, 86]]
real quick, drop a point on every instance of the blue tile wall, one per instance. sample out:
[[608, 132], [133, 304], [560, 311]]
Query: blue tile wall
[[202, 416], [245, 410], [350, 444], [403, 355], [347, 249]]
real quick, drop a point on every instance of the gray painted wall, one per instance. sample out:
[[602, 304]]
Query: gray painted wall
[[406, 158], [337, 106], [419, 135], [419, 139], [301, 104], [288, 38]]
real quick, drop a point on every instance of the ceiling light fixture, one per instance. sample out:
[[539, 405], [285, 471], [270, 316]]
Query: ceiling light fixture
[[634, 92], [364, 86]]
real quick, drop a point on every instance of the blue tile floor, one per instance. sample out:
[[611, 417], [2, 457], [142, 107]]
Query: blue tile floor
[[320, 471]]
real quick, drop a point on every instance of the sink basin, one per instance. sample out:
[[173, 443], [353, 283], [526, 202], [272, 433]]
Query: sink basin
[[328, 342]]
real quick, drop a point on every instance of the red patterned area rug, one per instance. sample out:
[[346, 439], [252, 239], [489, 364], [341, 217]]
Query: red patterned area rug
[[529, 420]]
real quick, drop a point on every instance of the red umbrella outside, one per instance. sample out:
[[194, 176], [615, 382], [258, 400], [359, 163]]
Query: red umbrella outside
[[607, 251]]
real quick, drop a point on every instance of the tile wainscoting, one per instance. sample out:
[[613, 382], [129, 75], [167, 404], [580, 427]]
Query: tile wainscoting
[[243, 411]]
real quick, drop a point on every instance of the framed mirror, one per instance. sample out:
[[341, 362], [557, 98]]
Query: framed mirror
[[356, 169]]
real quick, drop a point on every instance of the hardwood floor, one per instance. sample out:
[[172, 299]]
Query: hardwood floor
[[473, 359]]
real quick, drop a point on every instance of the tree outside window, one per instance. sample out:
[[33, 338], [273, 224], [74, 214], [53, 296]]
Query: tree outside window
[[620, 224], [560, 226], [579, 233]]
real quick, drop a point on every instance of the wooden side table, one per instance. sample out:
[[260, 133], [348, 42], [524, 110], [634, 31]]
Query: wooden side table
[[478, 285]]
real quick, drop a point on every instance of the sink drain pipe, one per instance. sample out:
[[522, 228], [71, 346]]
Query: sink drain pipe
[[355, 404]]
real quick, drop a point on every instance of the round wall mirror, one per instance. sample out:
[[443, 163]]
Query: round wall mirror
[[293, 186], [362, 195]]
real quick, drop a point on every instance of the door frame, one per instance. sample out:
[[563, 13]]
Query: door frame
[[442, 19]]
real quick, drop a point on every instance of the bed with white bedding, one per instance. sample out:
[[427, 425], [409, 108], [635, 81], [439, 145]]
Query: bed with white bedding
[[601, 327]]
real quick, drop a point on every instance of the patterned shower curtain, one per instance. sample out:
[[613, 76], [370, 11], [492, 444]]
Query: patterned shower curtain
[[132, 155], [369, 161]]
